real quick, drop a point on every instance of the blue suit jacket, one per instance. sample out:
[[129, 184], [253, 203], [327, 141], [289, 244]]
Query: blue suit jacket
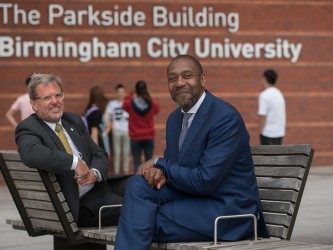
[[214, 169], [40, 147]]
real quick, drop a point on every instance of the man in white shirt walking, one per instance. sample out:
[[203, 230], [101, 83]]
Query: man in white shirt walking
[[117, 122], [272, 111]]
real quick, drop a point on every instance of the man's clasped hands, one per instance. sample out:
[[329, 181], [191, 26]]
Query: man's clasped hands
[[154, 176]]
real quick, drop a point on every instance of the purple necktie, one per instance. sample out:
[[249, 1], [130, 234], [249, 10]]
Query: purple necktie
[[186, 117]]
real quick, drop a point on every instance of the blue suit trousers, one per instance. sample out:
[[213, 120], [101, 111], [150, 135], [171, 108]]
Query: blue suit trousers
[[151, 217]]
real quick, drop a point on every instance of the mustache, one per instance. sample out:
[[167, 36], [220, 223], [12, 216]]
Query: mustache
[[56, 105], [182, 90]]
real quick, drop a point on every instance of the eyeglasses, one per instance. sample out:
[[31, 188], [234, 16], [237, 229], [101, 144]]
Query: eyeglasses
[[48, 98]]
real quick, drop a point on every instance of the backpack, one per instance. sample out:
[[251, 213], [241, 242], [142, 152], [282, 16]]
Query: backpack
[[86, 114]]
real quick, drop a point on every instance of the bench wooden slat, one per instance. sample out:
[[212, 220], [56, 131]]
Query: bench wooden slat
[[157, 245], [222, 245], [15, 222], [279, 183], [52, 177], [48, 215], [277, 218], [280, 160], [46, 205], [25, 175], [110, 238], [277, 207], [279, 195], [42, 214], [18, 224], [285, 171], [53, 226], [107, 233], [292, 149], [277, 231], [246, 244], [30, 185], [19, 166], [264, 245], [47, 224], [38, 195], [56, 187], [34, 195], [10, 155]]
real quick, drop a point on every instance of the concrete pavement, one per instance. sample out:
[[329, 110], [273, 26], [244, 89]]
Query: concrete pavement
[[314, 223]]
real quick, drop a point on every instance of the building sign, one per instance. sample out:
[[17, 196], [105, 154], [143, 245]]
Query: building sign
[[135, 44]]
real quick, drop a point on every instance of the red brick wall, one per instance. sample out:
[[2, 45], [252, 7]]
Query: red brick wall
[[307, 83]]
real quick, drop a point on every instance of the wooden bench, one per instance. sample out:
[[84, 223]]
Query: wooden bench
[[281, 173]]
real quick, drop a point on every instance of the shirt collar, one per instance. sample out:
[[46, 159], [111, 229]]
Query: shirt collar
[[52, 125]]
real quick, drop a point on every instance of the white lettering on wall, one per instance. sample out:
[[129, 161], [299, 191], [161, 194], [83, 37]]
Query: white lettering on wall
[[165, 47], [20, 16], [84, 51], [281, 49], [156, 47], [205, 18], [197, 19], [92, 17]]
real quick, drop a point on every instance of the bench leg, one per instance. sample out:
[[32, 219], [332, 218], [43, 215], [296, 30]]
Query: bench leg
[[60, 243]]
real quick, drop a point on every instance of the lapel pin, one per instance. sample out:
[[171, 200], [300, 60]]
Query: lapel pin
[[72, 129]]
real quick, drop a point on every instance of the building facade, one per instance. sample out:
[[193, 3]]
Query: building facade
[[105, 43]]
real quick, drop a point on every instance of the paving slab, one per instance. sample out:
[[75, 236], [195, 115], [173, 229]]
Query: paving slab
[[314, 222]]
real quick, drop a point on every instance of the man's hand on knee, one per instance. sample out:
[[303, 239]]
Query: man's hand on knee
[[155, 177], [144, 166]]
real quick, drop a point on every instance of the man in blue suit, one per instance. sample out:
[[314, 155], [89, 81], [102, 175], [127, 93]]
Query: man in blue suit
[[177, 197]]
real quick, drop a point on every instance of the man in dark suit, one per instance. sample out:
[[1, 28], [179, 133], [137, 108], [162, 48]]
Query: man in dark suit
[[81, 169], [209, 174]]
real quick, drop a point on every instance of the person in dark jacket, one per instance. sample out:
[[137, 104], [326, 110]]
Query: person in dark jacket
[[79, 164]]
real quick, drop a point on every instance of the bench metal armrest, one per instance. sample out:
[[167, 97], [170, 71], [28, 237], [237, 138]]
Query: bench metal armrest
[[100, 213], [236, 217]]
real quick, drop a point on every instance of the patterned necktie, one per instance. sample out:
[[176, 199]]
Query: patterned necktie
[[63, 138], [184, 128]]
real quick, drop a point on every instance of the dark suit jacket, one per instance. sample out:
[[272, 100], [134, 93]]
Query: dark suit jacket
[[41, 148], [217, 172]]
